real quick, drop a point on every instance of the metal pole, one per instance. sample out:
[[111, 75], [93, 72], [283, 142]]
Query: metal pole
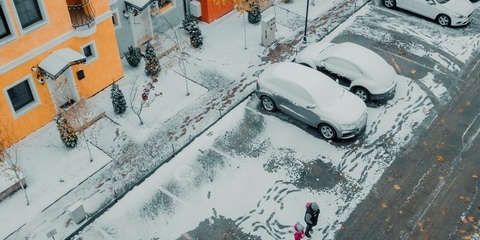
[[306, 20]]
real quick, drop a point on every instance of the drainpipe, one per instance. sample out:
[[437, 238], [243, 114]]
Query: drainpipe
[[186, 9]]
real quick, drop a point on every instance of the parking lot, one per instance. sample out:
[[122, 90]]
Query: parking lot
[[267, 165]]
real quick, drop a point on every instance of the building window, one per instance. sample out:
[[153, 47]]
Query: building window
[[164, 3], [87, 51], [115, 20], [90, 52], [4, 28], [22, 96], [28, 12]]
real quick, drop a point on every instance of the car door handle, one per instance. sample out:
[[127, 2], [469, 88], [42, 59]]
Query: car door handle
[[294, 103], [274, 93]]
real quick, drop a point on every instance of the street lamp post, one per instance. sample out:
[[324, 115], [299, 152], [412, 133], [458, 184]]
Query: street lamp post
[[306, 20]]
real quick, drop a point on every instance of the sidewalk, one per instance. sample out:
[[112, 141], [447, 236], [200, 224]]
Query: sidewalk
[[220, 76]]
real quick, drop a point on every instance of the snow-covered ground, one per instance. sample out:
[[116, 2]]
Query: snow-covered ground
[[261, 201]]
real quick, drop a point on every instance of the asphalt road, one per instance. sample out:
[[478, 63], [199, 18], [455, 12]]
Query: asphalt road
[[430, 190]]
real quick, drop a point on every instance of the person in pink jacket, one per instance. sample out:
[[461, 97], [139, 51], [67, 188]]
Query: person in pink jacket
[[299, 232]]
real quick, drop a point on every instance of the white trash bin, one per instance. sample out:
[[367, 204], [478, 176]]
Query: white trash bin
[[77, 213]]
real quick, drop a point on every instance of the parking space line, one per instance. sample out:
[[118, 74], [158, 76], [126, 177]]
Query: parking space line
[[471, 138], [396, 65], [406, 59], [173, 196]]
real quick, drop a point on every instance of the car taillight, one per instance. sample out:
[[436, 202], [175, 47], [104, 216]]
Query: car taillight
[[257, 84]]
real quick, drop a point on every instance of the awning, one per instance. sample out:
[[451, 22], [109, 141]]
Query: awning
[[137, 4], [58, 61]]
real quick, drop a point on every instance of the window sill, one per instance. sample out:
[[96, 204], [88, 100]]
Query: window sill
[[7, 40], [27, 108], [34, 27]]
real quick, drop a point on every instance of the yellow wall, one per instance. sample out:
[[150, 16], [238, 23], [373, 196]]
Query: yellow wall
[[58, 24], [98, 74]]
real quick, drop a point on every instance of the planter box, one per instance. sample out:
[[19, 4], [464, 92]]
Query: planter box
[[12, 189]]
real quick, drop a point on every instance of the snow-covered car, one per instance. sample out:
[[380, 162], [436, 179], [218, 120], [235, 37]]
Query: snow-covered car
[[445, 12], [356, 68], [311, 97]]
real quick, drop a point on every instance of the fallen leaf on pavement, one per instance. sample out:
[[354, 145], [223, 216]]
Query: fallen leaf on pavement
[[460, 110], [384, 205], [396, 187], [413, 71], [440, 158], [475, 176], [464, 220]]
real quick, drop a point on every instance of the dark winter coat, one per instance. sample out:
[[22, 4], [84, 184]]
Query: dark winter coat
[[311, 216]]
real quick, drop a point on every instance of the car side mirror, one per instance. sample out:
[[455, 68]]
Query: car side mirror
[[431, 2], [310, 106], [322, 64]]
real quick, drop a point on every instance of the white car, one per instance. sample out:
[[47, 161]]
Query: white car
[[445, 12], [311, 97], [354, 67]]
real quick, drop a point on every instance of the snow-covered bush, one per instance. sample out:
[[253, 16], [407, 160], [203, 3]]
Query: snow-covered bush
[[254, 15], [67, 133], [196, 38], [133, 56], [118, 100], [190, 24], [152, 65]]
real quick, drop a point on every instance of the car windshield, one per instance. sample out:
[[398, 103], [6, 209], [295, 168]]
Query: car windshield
[[442, 1]]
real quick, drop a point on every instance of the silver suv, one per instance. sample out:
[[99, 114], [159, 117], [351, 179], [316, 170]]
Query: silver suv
[[311, 97]]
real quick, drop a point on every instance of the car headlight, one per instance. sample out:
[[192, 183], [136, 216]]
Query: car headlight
[[458, 15], [348, 126]]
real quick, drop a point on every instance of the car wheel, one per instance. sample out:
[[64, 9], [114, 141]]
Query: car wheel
[[443, 20], [268, 104], [327, 131], [389, 3], [362, 93]]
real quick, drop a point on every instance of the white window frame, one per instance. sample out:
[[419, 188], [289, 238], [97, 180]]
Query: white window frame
[[35, 26], [10, 25], [116, 16], [93, 47], [28, 107]]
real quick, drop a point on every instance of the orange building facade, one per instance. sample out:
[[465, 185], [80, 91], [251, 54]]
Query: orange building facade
[[212, 11], [53, 53]]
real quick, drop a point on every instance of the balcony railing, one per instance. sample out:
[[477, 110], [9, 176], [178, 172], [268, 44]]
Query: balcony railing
[[81, 13]]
